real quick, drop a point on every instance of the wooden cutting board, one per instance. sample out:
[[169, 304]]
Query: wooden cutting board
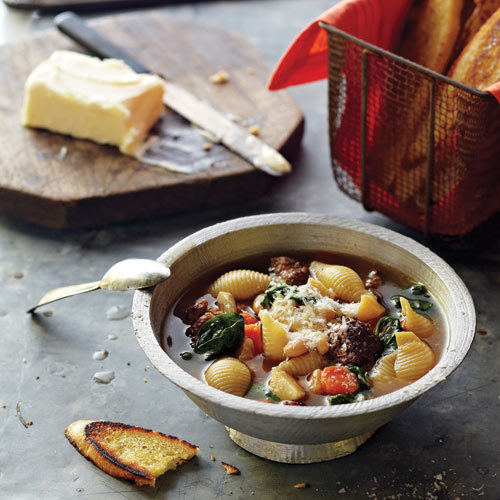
[[60, 182]]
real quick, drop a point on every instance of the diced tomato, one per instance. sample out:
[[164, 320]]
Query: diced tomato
[[249, 319], [253, 332], [338, 380], [403, 324]]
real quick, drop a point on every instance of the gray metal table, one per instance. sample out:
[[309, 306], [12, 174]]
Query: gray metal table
[[444, 446]]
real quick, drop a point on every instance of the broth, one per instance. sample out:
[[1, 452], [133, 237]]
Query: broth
[[175, 342]]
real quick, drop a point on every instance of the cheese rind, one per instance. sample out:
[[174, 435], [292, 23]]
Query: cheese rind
[[88, 98]]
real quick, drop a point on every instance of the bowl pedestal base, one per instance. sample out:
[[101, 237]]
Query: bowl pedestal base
[[298, 453]]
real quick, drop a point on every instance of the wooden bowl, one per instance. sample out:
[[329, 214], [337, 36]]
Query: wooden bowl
[[304, 434]]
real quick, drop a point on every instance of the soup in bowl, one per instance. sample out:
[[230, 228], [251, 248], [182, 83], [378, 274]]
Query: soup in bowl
[[304, 333]]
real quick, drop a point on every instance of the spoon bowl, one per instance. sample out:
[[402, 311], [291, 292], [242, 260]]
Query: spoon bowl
[[128, 274]]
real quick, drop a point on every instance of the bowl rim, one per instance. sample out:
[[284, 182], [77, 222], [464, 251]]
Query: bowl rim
[[167, 367]]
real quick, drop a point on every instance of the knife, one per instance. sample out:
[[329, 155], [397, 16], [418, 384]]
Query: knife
[[233, 136]]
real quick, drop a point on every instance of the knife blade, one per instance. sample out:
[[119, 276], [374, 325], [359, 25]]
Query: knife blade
[[233, 136]]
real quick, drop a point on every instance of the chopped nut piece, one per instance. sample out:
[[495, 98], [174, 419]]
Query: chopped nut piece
[[207, 146], [220, 77], [230, 469], [301, 485], [254, 130], [212, 458]]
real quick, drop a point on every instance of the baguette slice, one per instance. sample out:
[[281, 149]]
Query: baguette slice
[[431, 31], [479, 63], [128, 452], [481, 12]]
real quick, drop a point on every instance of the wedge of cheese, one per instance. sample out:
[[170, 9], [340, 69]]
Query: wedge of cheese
[[89, 98]]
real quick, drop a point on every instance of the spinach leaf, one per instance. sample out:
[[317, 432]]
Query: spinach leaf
[[279, 289], [260, 391], [271, 292], [340, 399], [415, 304], [301, 298], [219, 335], [362, 377], [418, 290], [272, 396], [386, 329]]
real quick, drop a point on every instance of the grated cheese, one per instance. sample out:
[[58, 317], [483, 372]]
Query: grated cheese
[[312, 320]]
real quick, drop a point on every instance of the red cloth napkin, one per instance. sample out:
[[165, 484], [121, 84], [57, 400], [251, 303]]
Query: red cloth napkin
[[375, 21]]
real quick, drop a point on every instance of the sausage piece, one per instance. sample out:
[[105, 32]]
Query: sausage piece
[[354, 344], [290, 270]]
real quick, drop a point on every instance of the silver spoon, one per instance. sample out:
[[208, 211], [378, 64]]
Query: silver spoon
[[128, 274]]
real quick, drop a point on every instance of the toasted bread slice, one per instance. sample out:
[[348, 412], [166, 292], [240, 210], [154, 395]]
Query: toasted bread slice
[[128, 452], [431, 32], [479, 63]]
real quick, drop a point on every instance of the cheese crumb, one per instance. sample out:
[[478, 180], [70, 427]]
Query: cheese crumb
[[220, 77]]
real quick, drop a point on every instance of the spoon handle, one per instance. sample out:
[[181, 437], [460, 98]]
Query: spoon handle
[[65, 291]]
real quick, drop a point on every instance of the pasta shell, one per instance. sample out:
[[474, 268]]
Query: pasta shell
[[229, 375], [369, 308], [420, 325], [314, 381], [274, 337], [304, 364], [343, 281], [405, 338], [246, 350], [295, 348], [226, 302], [326, 292], [241, 283], [383, 371], [285, 386], [413, 360]]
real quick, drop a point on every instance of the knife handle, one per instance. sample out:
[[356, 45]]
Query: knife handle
[[73, 26]]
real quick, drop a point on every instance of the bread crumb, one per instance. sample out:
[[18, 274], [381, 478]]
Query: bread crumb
[[207, 146], [230, 469], [212, 458], [220, 77], [145, 381], [342, 490], [211, 446], [301, 485], [4, 406], [439, 477], [254, 130]]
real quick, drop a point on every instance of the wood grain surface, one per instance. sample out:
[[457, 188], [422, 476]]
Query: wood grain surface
[[59, 182]]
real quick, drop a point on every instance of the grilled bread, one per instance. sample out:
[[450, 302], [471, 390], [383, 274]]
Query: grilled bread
[[128, 452], [479, 63], [431, 32]]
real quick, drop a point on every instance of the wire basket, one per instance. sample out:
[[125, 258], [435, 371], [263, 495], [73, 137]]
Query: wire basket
[[410, 143]]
